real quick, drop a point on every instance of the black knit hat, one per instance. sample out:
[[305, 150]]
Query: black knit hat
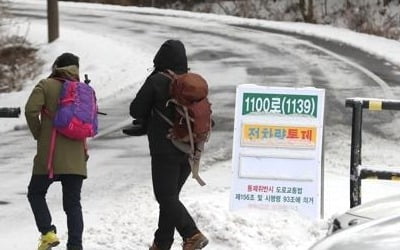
[[66, 59]]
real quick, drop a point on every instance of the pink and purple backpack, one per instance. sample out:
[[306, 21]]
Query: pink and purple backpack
[[76, 115]]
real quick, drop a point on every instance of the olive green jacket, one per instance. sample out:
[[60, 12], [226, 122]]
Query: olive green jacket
[[69, 155]]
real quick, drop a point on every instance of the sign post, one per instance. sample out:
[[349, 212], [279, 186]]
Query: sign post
[[277, 149]]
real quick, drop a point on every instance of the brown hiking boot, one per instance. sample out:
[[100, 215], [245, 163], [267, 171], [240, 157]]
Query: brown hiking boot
[[197, 241], [154, 247]]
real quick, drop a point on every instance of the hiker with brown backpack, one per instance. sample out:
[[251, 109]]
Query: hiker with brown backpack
[[177, 130]]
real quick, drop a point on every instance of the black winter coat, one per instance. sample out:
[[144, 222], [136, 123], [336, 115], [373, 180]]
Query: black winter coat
[[155, 93]]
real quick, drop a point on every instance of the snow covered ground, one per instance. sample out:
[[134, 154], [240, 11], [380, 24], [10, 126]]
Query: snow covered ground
[[119, 209]]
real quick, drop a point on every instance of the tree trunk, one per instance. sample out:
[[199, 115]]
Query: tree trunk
[[348, 4], [52, 20], [386, 2], [310, 12], [307, 11]]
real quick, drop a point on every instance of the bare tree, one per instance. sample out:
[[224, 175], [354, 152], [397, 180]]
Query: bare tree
[[307, 10], [223, 7], [386, 2], [348, 4], [18, 59]]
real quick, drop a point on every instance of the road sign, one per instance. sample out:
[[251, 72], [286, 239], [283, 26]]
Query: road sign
[[277, 149]]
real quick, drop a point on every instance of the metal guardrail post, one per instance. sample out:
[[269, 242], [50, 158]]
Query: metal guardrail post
[[357, 171], [355, 157]]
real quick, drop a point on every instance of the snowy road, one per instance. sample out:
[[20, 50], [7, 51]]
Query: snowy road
[[117, 195], [232, 55]]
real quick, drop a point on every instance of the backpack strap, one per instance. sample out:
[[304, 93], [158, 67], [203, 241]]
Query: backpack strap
[[187, 117], [169, 74], [50, 156], [164, 117], [180, 111], [194, 157], [194, 161], [52, 147]]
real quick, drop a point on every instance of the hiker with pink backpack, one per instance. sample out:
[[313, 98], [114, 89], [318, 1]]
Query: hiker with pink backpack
[[174, 154], [61, 113]]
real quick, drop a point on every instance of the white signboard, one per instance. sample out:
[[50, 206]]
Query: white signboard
[[277, 149]]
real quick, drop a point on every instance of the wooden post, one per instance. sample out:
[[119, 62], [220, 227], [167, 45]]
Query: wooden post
[[52, 20]]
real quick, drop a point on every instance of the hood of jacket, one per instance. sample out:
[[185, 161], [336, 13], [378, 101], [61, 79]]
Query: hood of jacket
[[68, 72], [171, 55]]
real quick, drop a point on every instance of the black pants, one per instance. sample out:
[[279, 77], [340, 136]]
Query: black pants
[[71, 188], [169, 173]]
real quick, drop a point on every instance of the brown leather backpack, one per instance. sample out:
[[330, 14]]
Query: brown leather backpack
[[191, 126], [189, 91]]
